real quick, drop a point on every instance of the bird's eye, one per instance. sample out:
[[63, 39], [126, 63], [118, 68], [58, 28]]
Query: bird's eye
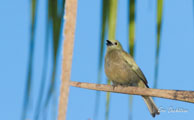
[[115, 43]]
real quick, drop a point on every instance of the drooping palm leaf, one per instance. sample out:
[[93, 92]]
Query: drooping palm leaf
[[28, 88], [44, 70], [131, 27], [159, 22], [131, 43], [112, 20], [105, 6], [56, 13], [107, 104], [53, 24]]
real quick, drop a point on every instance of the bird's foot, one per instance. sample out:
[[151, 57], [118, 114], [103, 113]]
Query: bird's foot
[[114, 85]]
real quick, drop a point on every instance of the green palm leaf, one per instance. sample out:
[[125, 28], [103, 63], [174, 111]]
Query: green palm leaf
[[53, 23], [131, 27], [131, 43], [56, 13], [28, 88], [159, 22], [107, 104], [44, 70], [105, 7], [112, 18]]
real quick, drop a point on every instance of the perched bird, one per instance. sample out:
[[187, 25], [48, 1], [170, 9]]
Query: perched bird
[[121, 69]]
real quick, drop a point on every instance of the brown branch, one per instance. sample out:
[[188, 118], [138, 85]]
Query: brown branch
[[69, 33], [181, 95]]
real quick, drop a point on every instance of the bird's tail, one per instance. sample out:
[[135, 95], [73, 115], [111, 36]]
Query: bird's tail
[[151, 106]]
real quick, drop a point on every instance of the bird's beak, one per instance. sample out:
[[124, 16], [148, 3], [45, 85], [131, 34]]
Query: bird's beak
[[108, 43]]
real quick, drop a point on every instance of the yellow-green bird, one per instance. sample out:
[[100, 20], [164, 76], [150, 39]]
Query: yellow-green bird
[[121, 69]]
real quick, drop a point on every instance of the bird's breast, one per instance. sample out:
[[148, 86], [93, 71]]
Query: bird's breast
[[117, 69]]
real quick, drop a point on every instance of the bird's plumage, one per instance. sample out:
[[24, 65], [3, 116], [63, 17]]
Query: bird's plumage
[[134, 67], [121, 69]]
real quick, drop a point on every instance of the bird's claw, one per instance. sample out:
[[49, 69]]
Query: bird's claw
[[114, 86]]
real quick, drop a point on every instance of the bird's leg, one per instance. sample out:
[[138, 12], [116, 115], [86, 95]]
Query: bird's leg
[[115, 84]]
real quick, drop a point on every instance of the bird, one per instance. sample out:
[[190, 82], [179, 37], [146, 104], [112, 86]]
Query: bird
[[121, 69]]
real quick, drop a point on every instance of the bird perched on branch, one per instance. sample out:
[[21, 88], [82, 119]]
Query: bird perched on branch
[[122, 70]]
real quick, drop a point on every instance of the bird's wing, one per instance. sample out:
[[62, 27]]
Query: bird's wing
[[134, 67]]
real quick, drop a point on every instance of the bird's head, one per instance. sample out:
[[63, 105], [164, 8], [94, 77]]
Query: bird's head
[[113, 44]]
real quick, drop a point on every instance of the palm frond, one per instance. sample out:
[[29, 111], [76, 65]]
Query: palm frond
[[105, 6], [28, 88], [44, 70], [53, 24], [131, 27], [131, 44], [159, 22], [107, 104], [56, 13], [112, 20]]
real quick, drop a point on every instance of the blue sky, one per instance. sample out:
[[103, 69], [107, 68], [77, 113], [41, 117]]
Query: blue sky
[[175, 64]]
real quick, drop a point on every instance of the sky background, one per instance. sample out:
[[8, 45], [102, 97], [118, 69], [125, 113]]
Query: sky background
[[175, 64]]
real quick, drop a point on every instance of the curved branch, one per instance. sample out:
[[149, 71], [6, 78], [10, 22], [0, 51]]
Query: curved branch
[[181, 95]]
